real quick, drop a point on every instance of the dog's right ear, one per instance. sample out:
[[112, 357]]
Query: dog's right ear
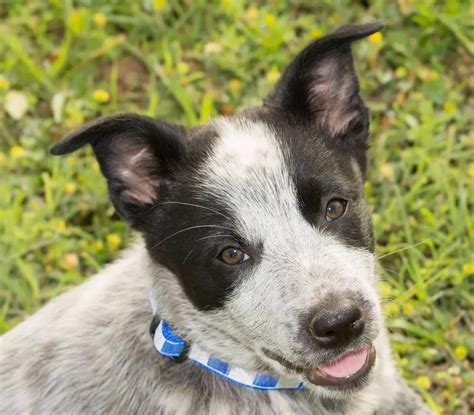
[[136, 155]]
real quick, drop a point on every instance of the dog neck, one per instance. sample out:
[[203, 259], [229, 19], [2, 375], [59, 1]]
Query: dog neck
[[170, 345]]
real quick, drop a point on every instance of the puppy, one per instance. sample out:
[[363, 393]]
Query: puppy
[[254, 272]]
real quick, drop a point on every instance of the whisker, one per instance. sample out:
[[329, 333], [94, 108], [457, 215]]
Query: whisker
[[401, 249], [198, 206], [205, 237], [188, 229], [187, 255], [215, 236]]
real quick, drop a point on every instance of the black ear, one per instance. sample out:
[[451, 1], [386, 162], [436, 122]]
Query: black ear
[[136, 154], [321, 83]]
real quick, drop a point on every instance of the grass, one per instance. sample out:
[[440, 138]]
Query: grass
[[64, 63]]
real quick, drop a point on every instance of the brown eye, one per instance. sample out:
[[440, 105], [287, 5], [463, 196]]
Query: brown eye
[[335, 209], [233, 256]]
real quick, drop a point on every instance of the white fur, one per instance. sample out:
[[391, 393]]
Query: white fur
[[88, 351], [103, 359], [248, 172]]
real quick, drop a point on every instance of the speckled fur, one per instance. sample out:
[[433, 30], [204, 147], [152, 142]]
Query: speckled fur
[[260, 180], [89, 351]]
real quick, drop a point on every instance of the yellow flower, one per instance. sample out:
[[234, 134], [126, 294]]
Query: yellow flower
[[386, 171], [60, 225], [252, 12], [4, 83], [100, 19], [71, 261], [101, 96], [17, 152], [315, 33], [391, 309], [334, 18], [449, 106], [235, 85], [460, 352], [423, 382], [70, 188], [113, 241], [269, 19], [97, 246], [401, 72], [183, 68], [160, 4], [376, 38], [71, 161], [74, 120], [468, 269], [273, 74], [407, 308]]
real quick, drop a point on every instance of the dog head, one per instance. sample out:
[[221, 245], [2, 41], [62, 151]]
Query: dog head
[[257, 225]]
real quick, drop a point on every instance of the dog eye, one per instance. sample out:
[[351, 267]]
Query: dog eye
[[335, 209], [233, 256]]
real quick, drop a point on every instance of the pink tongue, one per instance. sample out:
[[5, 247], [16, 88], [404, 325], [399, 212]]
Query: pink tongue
[[347, 365]]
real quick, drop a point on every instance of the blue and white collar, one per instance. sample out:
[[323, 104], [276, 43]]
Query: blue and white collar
[[168, 344]]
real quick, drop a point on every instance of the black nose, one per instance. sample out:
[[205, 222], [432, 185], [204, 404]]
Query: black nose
[[338, 326]]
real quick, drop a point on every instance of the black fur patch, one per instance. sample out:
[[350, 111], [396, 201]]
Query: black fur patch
[[188, 229], [322, 169], [152, 168], [188, 238]]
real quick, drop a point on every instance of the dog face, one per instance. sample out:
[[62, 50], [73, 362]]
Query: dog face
[[259, 221]]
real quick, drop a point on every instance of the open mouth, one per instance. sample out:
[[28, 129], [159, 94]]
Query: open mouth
[[346, 371]]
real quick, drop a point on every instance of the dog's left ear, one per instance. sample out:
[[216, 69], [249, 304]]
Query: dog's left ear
[[321, 84]]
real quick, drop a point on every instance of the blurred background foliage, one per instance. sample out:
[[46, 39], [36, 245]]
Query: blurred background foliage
[[64, 63]]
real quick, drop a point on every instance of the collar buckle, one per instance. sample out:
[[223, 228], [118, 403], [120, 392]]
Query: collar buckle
[[167, 343]]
